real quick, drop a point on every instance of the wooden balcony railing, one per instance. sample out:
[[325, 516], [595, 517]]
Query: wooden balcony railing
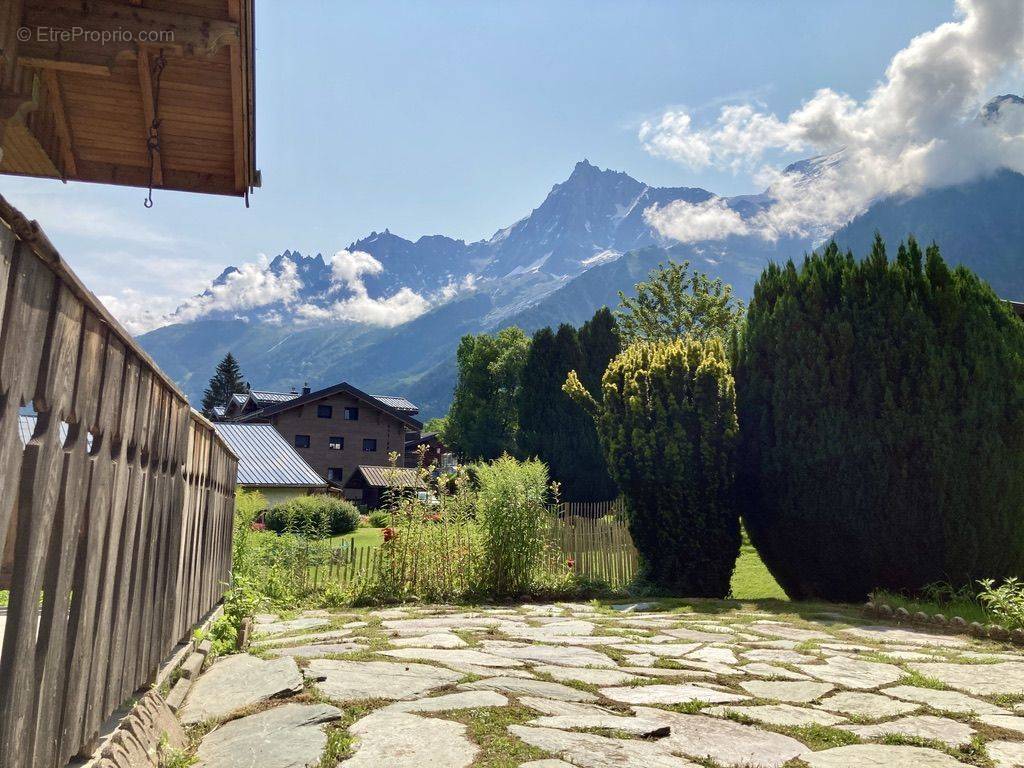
[[115, 515]]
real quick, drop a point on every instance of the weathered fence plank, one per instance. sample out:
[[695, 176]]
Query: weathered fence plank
[[115, 517]]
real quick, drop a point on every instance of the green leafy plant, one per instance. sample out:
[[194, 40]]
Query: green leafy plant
[[379, 518], [1005, 602], [667, 423], [881, 408]]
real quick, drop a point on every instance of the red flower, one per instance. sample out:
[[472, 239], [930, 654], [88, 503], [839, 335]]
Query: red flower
[[389, 533], [434, 518], [257, 526], [571, 562]]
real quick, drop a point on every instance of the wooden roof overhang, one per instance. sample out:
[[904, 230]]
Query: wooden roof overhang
[[80, 88]]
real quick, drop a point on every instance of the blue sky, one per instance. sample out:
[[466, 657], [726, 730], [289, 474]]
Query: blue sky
[[457, 117]]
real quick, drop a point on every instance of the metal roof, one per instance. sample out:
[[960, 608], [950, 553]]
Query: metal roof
[[344, 386], [218, 410], [398, 403], [240, 397], [265, 458], [27, 426], [265, 396], [390, 477]]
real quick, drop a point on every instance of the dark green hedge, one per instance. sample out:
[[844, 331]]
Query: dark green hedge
[[881, 408], [313, 516]]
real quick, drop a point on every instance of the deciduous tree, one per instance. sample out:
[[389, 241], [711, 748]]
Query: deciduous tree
[[675, 302], [483, 420]]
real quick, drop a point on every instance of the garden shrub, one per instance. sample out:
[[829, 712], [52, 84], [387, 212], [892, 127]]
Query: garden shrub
[[378, 518], [1005, 602], [511, 515], [314, 516], [667, 423], [881, 406]]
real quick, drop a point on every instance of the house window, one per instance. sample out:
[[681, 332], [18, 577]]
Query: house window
[[336, 442], [369, 444], [302, 441], [335, 474], [351, 414], [324, 411]]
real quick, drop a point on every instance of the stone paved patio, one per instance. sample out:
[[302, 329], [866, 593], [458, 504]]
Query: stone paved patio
[[651, 685]]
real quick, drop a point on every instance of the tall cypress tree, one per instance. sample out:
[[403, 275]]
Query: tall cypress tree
[[226, 381], [552, 427], [881, 411], [599, 344]]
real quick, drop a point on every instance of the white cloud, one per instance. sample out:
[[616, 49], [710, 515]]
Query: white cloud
[[138, 312], [917, 129], [251, 286], [693, 222], [347, 270]]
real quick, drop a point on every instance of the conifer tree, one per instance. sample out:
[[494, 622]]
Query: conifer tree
[[666, 418], [881, 406], [225, 382]]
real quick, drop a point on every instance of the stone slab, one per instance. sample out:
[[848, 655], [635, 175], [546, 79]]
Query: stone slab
[[520, 686], [354, 680], [669, 694], [797, 692], [725, 742], [587, 750], [949, 732], [945, 701], [289, 736], [234, 682], [403, 740], [778, 714], [880, 756], [1006, 677]]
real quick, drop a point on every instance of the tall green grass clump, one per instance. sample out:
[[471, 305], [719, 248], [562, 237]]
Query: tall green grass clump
[[510, 514]]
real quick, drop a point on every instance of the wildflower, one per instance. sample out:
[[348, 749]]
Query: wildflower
[[571, 562], [258, 526], [389, 533]]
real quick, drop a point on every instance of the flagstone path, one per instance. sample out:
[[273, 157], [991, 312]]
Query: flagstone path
[[650, 686]]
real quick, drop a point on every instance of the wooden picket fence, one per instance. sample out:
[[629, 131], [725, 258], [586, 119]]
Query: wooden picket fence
[[590, 538], [115, 514], [596, 538]]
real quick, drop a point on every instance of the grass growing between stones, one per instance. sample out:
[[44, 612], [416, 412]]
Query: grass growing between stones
[[972, 754], [488, 728], [918, 680]]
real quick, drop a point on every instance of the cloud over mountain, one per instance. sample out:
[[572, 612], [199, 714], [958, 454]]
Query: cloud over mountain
[[918, 129]]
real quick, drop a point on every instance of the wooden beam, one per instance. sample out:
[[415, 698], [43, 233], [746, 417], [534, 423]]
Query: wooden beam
[[99, 32], [238, 100], [10, 21], [79, 67], [149, 112], [60, 120]]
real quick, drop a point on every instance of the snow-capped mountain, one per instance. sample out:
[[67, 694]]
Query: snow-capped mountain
[[387, 312]]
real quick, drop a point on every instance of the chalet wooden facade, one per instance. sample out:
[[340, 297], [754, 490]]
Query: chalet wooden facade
[[339, 428], [141, 93]]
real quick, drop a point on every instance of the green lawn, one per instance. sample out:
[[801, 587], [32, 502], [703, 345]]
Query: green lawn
[[750, 581], [360, 537]]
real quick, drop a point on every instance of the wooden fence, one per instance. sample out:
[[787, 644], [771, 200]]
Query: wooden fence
[[115, 516], [591, 539], [596, 538]]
